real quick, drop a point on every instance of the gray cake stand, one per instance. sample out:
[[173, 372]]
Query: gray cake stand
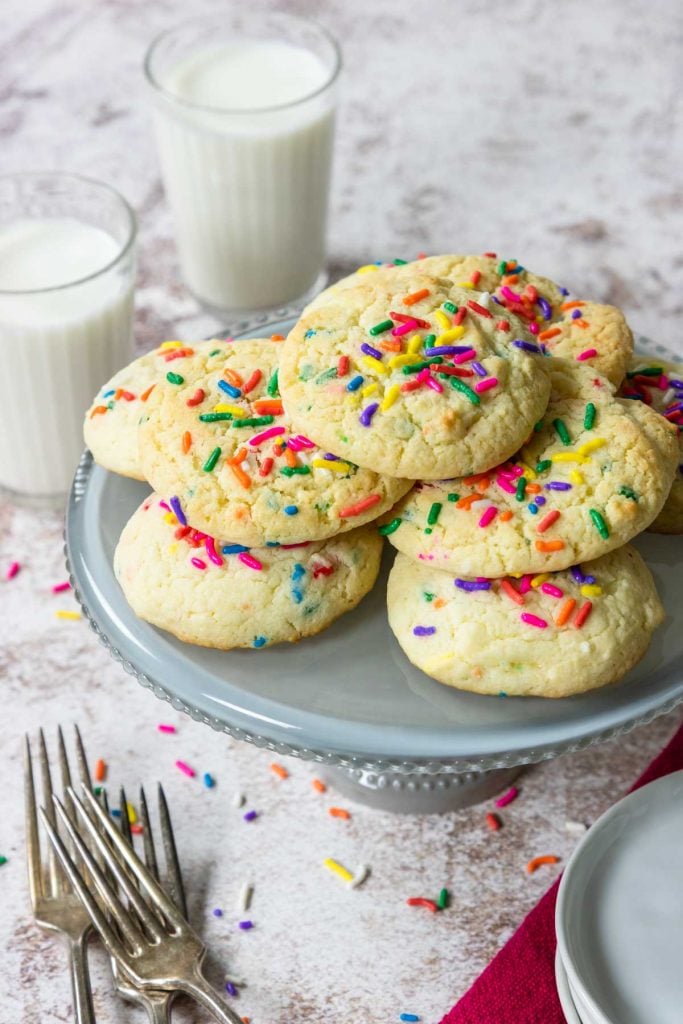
[[348, 699]]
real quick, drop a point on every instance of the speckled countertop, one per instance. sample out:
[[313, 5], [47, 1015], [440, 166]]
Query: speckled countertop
[[550, 134]]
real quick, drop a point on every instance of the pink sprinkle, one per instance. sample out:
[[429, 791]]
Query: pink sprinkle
[[198, 563], [509, 294], [488, 516], [485, 385], [533, 620], [249, 560], [13, 570], [59, 588], [524, 585], [587, 353], [185, 769], [533, 327], [405, 328], [464, 356], [264, 435], [422, 375], [552, 590], [663, 382], [508, 797], [166, 728], [165, 505], [434, 384], [210, 546], [504, 482]]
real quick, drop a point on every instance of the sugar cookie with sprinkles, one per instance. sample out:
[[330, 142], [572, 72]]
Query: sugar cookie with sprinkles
[[218, 438], [424, 383], [595, 472], [111, 423], [553, 635], [659, 384], [225, 595]]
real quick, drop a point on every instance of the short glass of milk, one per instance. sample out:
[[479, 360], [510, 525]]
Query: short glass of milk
[[67, 267], [244, 110]]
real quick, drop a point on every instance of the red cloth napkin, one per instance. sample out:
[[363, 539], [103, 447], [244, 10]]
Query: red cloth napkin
[[518, 986]]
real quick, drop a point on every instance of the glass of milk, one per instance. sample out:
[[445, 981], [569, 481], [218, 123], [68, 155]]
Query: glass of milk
[[244, 115], [67, 266]]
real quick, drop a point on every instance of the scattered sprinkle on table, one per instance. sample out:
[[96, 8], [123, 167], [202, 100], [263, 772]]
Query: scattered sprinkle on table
[[538, 862], [442, 901], [279, 770], [493, 821], [420, 901], [244, 897], [246, 925], [408, 1016], [185, 769], [12, 570], [339, 812], [575, 827], [217, 912], [70, 616], [230, 988], [338, 869], [100, 770], [250, 815], [3, 860], [319, 786], [166, 728], [360, 876], [508, 797], [59, 588], [238, 800], [208, 780]]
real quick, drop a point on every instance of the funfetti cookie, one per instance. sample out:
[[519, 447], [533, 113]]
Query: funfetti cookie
[[111, 423], [425, 383], [589, 332], [596, 471], [550, 636], [225, 595], [660, 385], [217, 437]]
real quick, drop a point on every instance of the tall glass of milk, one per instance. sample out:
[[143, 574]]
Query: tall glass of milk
[[244, 117], [67, 265]]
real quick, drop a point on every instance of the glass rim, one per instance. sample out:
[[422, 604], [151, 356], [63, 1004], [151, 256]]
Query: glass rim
[[126, 245], [241, 112]]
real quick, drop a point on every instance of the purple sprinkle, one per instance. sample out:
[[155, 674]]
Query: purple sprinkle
[[527, 346], [589, 579], [540, 500], [496, 300], [557, 485], [250, 815], [479, 369], [577, 575], [471, 585], [178, 509], [218, 912], [576, 314], [370, 351], [230, 988], [675, 383], [546, 308], [447, 350], [424, 630], [330, 457], [564, 291], [368, 412], [246, 925], [676, 407]]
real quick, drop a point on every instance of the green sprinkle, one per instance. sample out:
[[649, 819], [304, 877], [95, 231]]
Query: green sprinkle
[[253, 421], [589, 417], [416, 367], [442, 901], [647, 371], [174, 378], [434, 513], [502, 267], [454, 497], [400, 263], [380, 328], [273, 389], [211, 461], [599, 523], [391, 527], [215, 417], [628, 492], [428, 597], [3, 860], [214, 352], [428, 340], [562, 432], [543, 465], [450, 307], [538, 427], [98, 790], [458, 385], [326, 375], [295, 470], [520, 491], [428, 529]]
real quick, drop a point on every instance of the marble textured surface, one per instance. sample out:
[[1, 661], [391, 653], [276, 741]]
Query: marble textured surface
[[553, 137]]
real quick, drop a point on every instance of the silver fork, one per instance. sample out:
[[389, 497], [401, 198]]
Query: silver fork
[[157, 1004], [56, 906], [151, 939]]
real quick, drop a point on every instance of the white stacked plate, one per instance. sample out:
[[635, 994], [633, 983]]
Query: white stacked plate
[[619, 917]]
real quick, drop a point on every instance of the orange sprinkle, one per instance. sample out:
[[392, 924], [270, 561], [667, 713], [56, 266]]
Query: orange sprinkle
[[467, 500], [439, 603], [239, 456], [476, 277], [565, 611], [536, 863], [493, 821], [187, 442], [483, 484], [98, 410], [393, 345], [505, 516], [279, 770], [508, 589], [233, 378], [339, 812], [290, 458], [548, 521], [266, 466], [243, 477], [414, 297], [145, 394], [532, 489], [268, 407], [549, 545], [277, 337], [580, 323], [583, 613], [319, 786], [511, 279], [470, 481], [252, 382], [118, 394], [552, 332], [571, 305], [100, 771]]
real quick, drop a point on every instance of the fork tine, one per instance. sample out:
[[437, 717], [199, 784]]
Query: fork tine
[[174, 879], [144, 877], [100, 922], [82, 760], [35, 880], [121, 875], [57, 882], [108, 894], [147, 837], [64, 769], [124, 821]]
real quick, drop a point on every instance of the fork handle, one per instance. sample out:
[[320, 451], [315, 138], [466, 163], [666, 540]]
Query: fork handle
[[199, 988], [80, 979], [158, 1007]]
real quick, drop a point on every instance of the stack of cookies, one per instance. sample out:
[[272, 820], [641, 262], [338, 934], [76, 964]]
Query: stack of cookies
[[463, 403]]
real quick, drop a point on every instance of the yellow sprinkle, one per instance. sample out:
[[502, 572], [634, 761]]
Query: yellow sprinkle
[[529, 473], [415, 344], [390, 397], [369, 389], [234, 410], [442, 320], [165, 345], [464, 284], [568, 457], [68, 615], [374, 364], [332, 865], [169, 517], [576, 477], [132, 816], [592, 446], [402, 360], [336, 467], [591, 590], [541, 578], [367, 268], [452, 334]]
